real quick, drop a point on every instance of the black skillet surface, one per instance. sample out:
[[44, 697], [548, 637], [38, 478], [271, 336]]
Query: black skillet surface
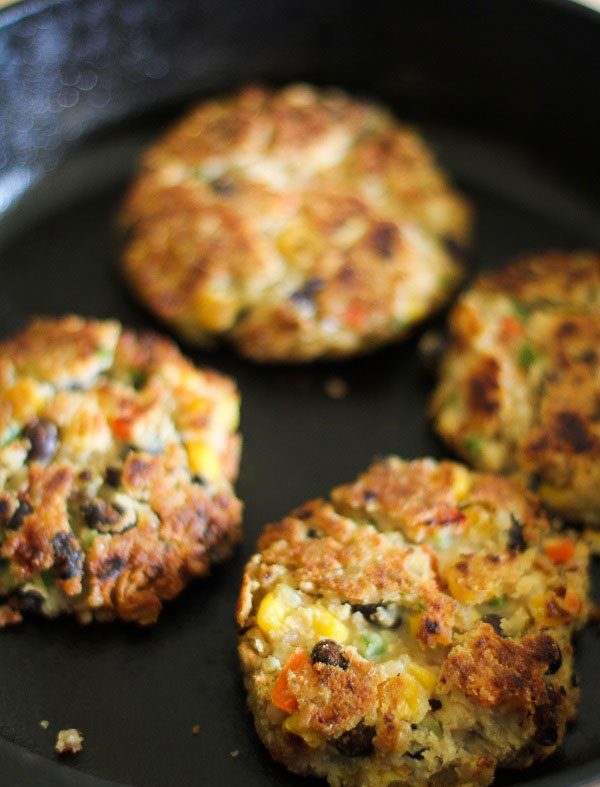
[[508, 94]]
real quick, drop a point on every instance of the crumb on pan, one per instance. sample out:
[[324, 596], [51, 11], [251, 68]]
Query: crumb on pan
[[69, 742], [336, 388]]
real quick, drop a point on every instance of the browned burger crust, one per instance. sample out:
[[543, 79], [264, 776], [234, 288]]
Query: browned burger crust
[[297, 223], [413, 630], [116, 463], [519, 389]]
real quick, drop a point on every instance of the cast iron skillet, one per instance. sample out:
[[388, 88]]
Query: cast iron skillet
[[506, 91]]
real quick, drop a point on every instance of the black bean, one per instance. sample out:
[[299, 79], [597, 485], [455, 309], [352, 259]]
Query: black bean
[[108, 517], [306, 293], [495, 622], [534, 482], [223, 186], [382, 614], [101, 513], [368, 495], [435, 704], [16, 520], [515, 540], [199, 479], [328, 651], [29, 602], [383, 239], [416, 755], [43, 436], [111, 567], [556, 662], [431, 626], [357, 742], [312, 533], [139, 378], [68, 558], [113, 476], [4, 508]]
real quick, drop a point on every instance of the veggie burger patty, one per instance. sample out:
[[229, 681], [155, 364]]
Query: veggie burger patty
[[296, 223], [415, 629], [116, 462], [519, 390]]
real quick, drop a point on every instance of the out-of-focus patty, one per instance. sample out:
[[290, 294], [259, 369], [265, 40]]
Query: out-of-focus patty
[[519, 389], [295, 223], [415, 629], [116, 462]]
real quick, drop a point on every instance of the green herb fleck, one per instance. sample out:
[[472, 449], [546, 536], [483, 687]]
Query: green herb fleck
[[198, 173], [472, 445], [9, 434], [105, 355], [371, 646], [521, 310], [528, 355], [497, 602], [432, 725], [421, 607], [442, 540], [47, 578]]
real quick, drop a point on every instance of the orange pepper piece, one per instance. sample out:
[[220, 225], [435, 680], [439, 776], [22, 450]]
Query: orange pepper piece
[[356, 316], [120, 428], [281, 696], [559, 550], [511, 326]]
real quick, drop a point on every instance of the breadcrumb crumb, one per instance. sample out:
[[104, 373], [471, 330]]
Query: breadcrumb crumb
[[196, 729], [44, 724], [234, 753], [336, 388], [69, 742]]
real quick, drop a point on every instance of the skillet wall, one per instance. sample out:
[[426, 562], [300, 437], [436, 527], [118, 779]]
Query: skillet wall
[[525, 69]]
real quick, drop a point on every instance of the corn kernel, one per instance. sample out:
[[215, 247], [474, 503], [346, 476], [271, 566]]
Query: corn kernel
[[414, 623], [327, 625], [461, 482], [311, 738], [198, 407], [203, 460], [215, 312], [271, 614], [425, 676], [297, 245], [411, 709], [26, 399], [227, 413]]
